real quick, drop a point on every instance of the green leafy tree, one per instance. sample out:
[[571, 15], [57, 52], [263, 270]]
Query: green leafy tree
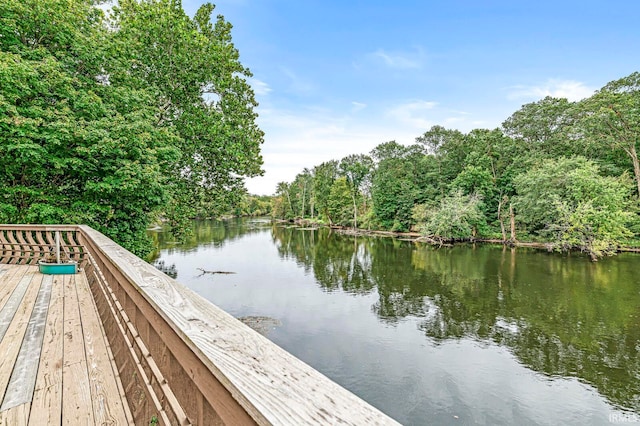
[[252, 205], [356, 169], [493, 160], [456, 216], [324, 175], [75, 148], [612, 117], [301, 198], [110, 123], [200, 88], [478, 181], [568, 202], [281, 203], [450, 150], [543, 127], [398, 182], [339, 202]]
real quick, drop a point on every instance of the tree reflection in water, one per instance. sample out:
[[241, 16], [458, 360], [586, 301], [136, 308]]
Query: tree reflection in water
[[559, 315]]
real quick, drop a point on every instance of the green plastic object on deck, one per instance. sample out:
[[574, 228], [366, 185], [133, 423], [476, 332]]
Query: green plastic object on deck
[[58, 268]]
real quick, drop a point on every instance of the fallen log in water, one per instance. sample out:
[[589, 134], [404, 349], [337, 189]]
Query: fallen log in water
[[204, 271]]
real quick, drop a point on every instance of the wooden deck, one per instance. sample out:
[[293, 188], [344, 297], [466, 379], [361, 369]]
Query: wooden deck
[[122, 343], [55, 364]]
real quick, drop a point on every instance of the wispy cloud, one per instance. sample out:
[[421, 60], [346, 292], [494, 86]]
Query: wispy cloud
[[413, 113], [399, 60], [357, 106], [570, 89], [259, 87], [296, 84]]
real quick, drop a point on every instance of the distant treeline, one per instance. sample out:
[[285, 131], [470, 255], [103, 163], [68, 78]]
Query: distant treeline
[[561, 172]]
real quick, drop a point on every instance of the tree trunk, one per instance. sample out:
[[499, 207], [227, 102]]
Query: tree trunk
[[512, 218], [290, 205], [636, 165], [355, 213], [501, 219]]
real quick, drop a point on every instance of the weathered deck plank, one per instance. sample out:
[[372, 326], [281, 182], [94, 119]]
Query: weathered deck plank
[[8, 282], [108, 407], [16, 416], [7, 270], [11, 299], [46, 407], [12, 338], [76, 401], [23, 378]]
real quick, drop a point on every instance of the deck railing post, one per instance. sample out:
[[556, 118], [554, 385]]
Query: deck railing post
[[58, 246]]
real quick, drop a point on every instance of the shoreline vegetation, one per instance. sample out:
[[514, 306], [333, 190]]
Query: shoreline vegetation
[[417, 237], [410, 236]]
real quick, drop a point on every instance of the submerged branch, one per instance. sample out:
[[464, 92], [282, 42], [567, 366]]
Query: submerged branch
[[204, 271]]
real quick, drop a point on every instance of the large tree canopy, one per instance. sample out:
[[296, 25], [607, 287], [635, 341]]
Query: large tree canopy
[[200, 88], [611, 118], [98, 127]]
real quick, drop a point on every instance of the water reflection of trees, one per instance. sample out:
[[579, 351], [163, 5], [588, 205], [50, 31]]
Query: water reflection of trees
[[562, 316], [206, 233], [337, 263], [559, 315]]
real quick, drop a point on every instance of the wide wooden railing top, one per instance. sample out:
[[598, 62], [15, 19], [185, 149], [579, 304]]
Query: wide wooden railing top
[[269, 384]]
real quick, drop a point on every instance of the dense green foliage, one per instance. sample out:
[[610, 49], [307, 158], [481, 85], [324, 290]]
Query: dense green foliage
[[571, 204], [339, 202], [109, 122], [456, 216], [252, 205], [556, 171]]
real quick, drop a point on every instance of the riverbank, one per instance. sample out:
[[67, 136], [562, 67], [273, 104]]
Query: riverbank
[[417, 237]]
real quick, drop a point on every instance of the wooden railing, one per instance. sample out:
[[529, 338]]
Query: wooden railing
[[181, 359], [26, 244]]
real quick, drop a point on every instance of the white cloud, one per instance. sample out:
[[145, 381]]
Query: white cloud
[[399, 60], [414, 113], [570, 89], [453, 120]]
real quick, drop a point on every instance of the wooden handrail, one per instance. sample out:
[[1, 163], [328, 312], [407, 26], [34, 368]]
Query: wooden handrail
[[27, 244], [200, 365]]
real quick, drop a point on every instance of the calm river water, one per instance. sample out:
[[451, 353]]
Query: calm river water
[[463, 335]]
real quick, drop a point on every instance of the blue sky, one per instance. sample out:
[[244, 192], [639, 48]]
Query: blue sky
[[335, 78]]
